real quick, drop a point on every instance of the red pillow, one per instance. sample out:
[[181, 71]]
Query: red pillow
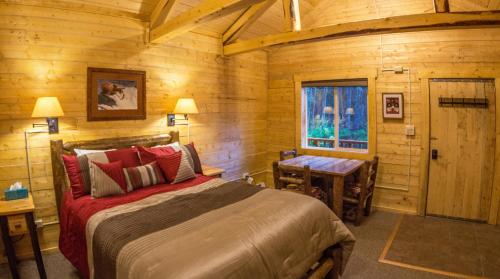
[[149, 154], [175, 167], [128, 156], [77, 167], [74, 174]]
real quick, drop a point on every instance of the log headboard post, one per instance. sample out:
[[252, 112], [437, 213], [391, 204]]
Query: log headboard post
[[58, 170], [58, 148]]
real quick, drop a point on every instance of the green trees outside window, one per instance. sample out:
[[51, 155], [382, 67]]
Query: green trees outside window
[[331, 106]]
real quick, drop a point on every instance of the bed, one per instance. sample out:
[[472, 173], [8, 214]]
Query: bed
[[205, 227]]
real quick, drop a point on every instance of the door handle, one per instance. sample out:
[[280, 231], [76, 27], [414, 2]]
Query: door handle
[[434, 154]]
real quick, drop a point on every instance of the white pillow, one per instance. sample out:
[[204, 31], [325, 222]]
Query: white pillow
[[80, 152], [174, 144]]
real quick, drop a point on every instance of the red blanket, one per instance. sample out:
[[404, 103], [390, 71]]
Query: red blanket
[[76, 213]]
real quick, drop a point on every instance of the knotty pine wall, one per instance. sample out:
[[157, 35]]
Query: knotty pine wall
[[399, 170], [46, 52]]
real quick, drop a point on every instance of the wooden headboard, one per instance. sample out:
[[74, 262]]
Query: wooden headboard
[[58, 148]]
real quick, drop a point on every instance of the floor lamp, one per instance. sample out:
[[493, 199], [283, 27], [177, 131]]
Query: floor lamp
[[184, 106]]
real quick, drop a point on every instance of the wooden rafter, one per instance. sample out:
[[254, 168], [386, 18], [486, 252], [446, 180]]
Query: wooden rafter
[[397, 24], [205, 11], [245, 20], [441, 6], [160, 12], [287, 14], [291, 14]]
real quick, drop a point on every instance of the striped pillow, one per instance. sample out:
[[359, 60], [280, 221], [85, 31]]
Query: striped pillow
[[176, 167], [107, 179], [143, 176]]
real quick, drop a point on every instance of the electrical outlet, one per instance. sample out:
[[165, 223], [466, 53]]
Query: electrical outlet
[[410, 130], [245, 175]]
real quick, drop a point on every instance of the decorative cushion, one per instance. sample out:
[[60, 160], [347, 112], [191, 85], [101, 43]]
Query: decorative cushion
[[195, 159], [107, 179], [176, 167], [149, 154], [82, 186], [143, 176], [75, 176]]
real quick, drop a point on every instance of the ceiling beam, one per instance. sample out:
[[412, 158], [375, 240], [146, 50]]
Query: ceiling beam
[[291, 14], [441, 6], [287, 15], [205, 11], [245, 20], [408, 23], [160, 12]]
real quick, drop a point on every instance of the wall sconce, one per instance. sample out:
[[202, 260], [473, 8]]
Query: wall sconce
[[184, 106], [49, 108]]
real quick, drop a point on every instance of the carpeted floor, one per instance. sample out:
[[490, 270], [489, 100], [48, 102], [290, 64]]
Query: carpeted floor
[[371, 236], [471, 249]]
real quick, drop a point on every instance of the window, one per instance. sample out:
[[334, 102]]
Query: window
[[335, 115]]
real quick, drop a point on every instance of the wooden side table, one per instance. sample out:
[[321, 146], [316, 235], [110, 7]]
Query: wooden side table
[[212, 171], [19, 207]]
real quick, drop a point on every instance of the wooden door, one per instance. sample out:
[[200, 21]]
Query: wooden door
[[461, 177]]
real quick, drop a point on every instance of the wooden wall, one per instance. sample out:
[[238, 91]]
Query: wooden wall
[[46, 52], [420, 51]]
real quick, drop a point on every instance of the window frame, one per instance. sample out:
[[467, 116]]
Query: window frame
[[301, 122]]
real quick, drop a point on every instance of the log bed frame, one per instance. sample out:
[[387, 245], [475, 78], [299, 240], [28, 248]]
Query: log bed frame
[[328, 266]]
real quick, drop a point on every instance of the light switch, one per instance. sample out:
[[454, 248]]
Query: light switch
[[410, 130]]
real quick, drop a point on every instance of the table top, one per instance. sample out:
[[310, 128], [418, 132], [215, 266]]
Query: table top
[[211, 171], [19, 206], [325, 165]]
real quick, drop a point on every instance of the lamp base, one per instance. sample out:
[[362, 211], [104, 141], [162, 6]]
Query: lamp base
[[53, 124]]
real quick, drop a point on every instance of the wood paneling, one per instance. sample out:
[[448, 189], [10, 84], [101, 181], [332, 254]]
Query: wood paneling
[[399, 170], [45, 51]]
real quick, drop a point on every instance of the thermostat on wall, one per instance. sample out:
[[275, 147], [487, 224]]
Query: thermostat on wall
[[410, 130]]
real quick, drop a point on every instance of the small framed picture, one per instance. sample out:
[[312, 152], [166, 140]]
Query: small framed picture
[[115, 94], [393, 105]]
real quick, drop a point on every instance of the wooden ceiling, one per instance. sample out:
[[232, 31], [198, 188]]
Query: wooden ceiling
[[252, 24], [314, 13]]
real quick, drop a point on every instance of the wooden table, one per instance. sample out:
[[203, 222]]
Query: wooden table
[[328, 167], [17, 207]]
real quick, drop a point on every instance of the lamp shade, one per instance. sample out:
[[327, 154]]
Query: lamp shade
[[186, 106], [47, 107]]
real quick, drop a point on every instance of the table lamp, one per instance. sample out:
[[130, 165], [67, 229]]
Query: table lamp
[[49, 108]]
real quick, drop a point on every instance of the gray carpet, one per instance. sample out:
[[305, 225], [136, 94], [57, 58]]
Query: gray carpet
[[371, 237]]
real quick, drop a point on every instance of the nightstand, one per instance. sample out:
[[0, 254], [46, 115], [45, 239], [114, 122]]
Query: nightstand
[[212, 171], [12, 223]]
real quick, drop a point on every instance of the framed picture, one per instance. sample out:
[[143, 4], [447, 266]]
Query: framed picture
[[115, 94], [393, 105]]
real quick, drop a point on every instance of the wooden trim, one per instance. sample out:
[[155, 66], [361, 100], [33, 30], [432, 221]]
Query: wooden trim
[[487, 73], [245, 20], [495, 196], [160, 12], [441, 6], [397, 24], [383, 255], [58, 148], [205, 11], [370, 76], [425, 145]]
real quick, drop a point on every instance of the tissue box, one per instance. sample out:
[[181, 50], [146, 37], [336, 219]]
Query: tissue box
[[16, 194]]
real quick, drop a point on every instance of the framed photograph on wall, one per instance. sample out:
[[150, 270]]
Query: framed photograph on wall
[[392, 105], [115, 94]]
